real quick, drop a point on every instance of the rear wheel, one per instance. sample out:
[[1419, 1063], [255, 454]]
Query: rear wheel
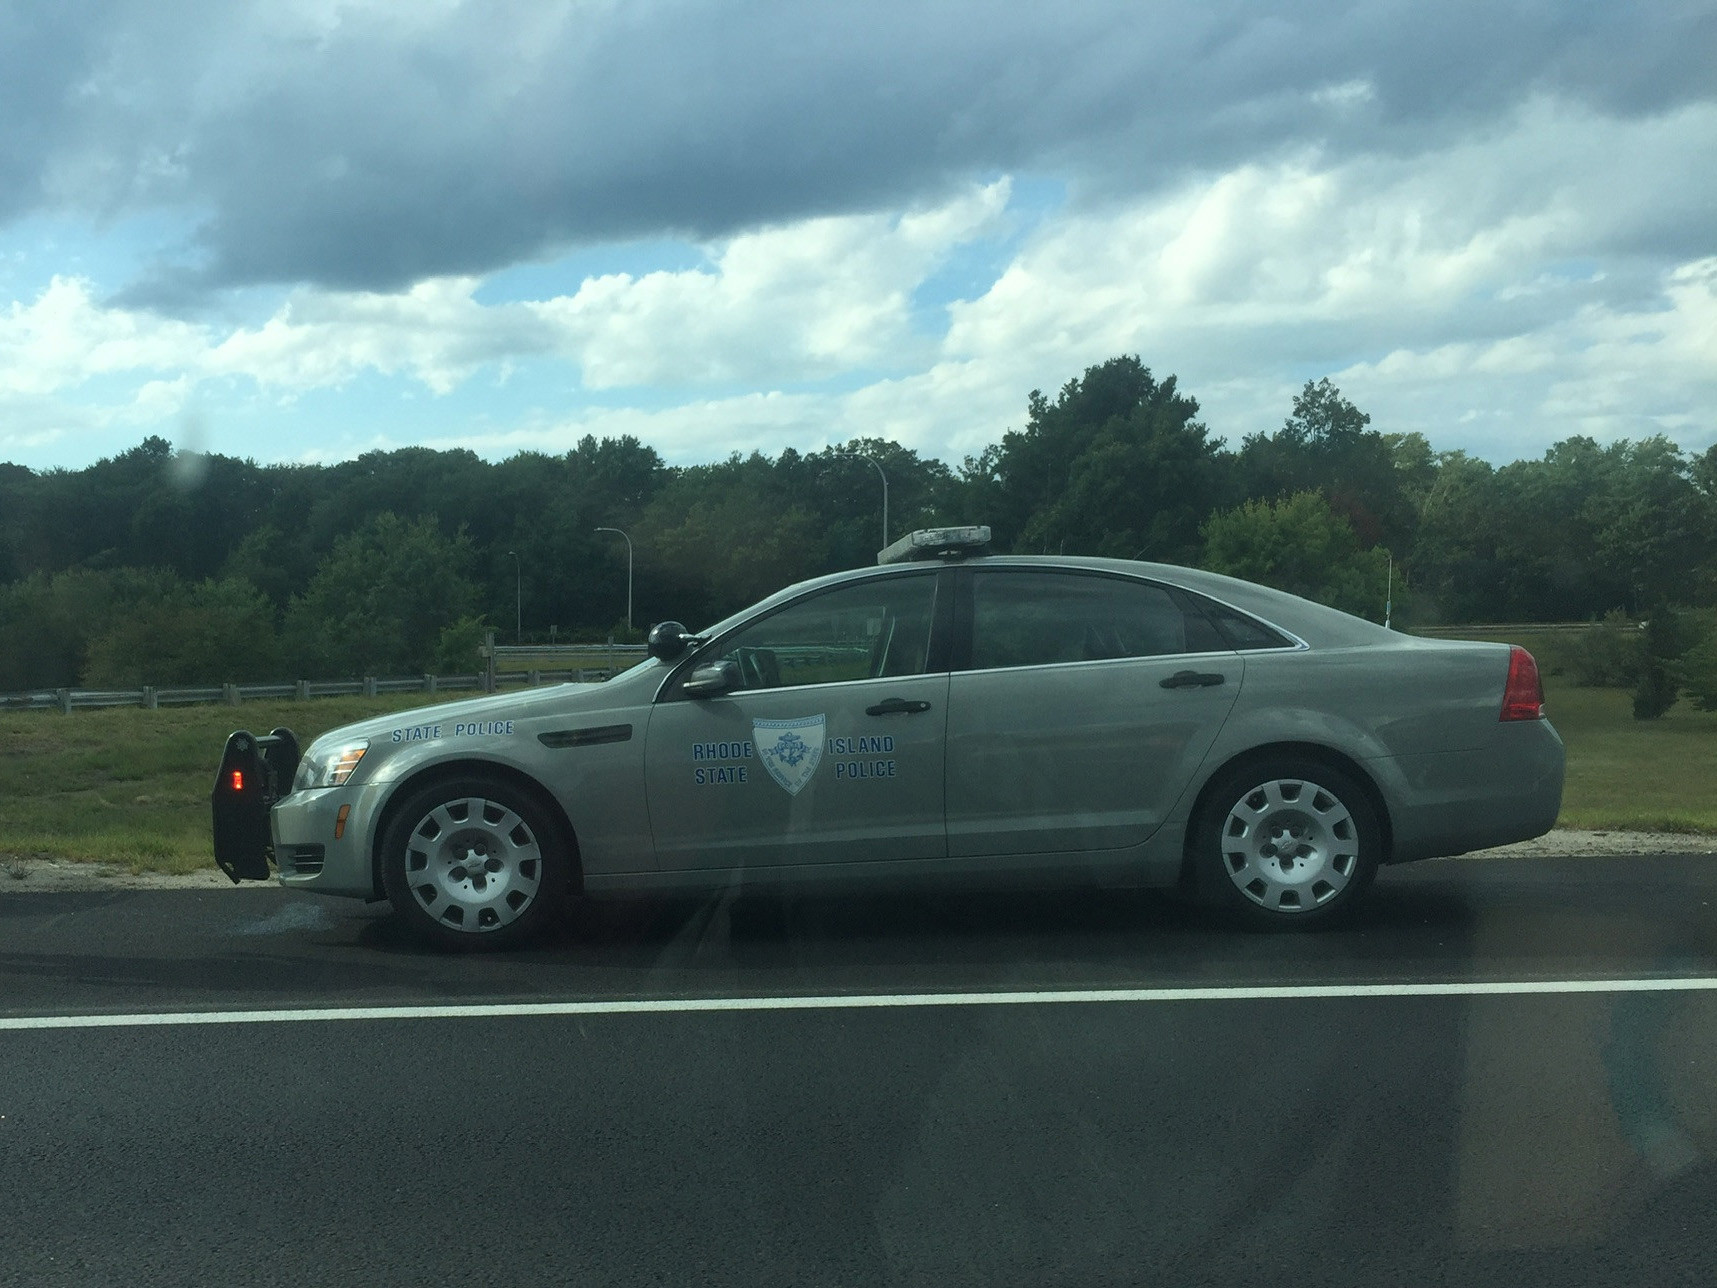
[[1286, 843], [475, 863]]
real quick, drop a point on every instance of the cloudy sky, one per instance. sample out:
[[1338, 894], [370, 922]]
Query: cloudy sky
[[303, 229]]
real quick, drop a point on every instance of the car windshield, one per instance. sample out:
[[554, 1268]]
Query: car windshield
[[1204, 767]]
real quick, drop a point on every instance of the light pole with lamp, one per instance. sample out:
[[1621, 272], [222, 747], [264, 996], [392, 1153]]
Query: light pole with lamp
[[518, 598], [861, 456], [628, 541]]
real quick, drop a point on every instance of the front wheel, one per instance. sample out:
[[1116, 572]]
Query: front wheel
[[473, 864], [1286, 844]]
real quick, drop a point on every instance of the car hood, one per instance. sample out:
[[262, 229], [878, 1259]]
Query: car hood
[[495, 706]]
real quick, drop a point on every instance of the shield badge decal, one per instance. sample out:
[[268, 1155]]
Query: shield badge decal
[[790, 750]]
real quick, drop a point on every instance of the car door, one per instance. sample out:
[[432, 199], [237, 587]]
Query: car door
[[830, 748], [1080, 707]]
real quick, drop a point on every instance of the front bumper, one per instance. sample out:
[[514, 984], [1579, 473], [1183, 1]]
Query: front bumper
[[316, 849], [318, 838]]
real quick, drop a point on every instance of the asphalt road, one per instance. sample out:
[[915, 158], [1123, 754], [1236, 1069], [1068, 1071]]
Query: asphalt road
[[1280, 1109]]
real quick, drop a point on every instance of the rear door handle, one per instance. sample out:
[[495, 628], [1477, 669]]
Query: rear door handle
[[1192, 680], [897, 707]]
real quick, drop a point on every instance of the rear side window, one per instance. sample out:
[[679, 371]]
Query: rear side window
[[1041, 618], [1238, 630]]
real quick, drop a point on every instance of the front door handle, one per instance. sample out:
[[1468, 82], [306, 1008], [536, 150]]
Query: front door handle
[[897, 707], [1192, 680]]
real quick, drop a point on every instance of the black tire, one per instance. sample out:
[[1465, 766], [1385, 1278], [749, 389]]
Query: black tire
[[1285, 844], [475, 864]]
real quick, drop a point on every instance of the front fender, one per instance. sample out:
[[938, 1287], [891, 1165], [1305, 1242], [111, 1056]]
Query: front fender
[[590, 764]]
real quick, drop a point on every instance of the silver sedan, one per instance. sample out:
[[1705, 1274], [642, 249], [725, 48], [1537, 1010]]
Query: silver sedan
[[946, 714]]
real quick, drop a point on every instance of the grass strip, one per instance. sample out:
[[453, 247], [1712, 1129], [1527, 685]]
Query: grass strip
[[131, 787]]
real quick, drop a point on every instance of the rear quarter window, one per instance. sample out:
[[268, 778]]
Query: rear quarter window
[[1238, 630]]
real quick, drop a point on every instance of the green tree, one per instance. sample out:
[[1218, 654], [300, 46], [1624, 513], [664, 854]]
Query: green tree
[[1610, 654], [1117, 465], [1456, 565], [1699, 670], [456, 647], [1651, 525], [1375, 480], [1585, 529], [843, 490], [721, 536], [215, 632], [277, 563], [48, 620], [1299, 545], [1657, 690], [379, 601]]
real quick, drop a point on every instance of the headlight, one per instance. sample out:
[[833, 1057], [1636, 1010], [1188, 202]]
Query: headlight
[[330, 766]]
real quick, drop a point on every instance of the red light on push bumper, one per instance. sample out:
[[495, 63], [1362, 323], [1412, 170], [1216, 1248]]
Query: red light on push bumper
[[1523, 696], [238, 780]]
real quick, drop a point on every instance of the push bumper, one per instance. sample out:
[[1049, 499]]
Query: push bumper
[[254, 774]]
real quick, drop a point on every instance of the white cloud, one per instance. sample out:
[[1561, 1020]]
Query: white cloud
[[1518, 285], [1387, 271], [1345, 94], [789, 304], [794, 303], [1607, 373], [435, 333], [64, 338]]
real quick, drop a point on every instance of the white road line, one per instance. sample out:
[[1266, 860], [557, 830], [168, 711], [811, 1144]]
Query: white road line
[[862, 1001]]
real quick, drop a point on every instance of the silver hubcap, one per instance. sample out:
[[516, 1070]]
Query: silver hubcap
[[1289, 845], [473, 865]]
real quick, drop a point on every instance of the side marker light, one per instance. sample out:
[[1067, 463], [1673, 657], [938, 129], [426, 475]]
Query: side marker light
[[238, 780], [340, 821]]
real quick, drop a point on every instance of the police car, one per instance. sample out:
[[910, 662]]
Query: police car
[[948, 713]]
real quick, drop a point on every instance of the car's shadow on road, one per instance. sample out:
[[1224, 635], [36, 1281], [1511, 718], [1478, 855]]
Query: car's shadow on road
[[979, 933]]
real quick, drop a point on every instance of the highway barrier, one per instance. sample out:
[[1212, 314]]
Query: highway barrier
[[151, 697]]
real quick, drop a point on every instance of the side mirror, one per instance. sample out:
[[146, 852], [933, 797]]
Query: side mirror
[[712, 678], [668, 640]]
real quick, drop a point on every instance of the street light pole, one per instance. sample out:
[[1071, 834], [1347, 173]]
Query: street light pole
[[628, 541], [884, 479], [518, 599]]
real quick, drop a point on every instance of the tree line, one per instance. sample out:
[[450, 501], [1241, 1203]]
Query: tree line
[[162, 567]]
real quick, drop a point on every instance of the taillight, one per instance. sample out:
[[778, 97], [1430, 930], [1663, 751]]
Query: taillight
[[1523, 696], [238, 780]]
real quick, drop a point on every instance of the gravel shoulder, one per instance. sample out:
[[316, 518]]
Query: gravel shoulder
[[25, 874], [1562, 843]]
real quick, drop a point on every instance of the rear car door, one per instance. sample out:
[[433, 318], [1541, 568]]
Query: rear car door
[[1080, 707], [831, 751]]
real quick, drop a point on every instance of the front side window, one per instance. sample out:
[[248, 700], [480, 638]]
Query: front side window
[[874, 629], [1042, 618]]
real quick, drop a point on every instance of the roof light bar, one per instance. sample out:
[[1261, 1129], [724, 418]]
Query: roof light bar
[[934, 543]]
